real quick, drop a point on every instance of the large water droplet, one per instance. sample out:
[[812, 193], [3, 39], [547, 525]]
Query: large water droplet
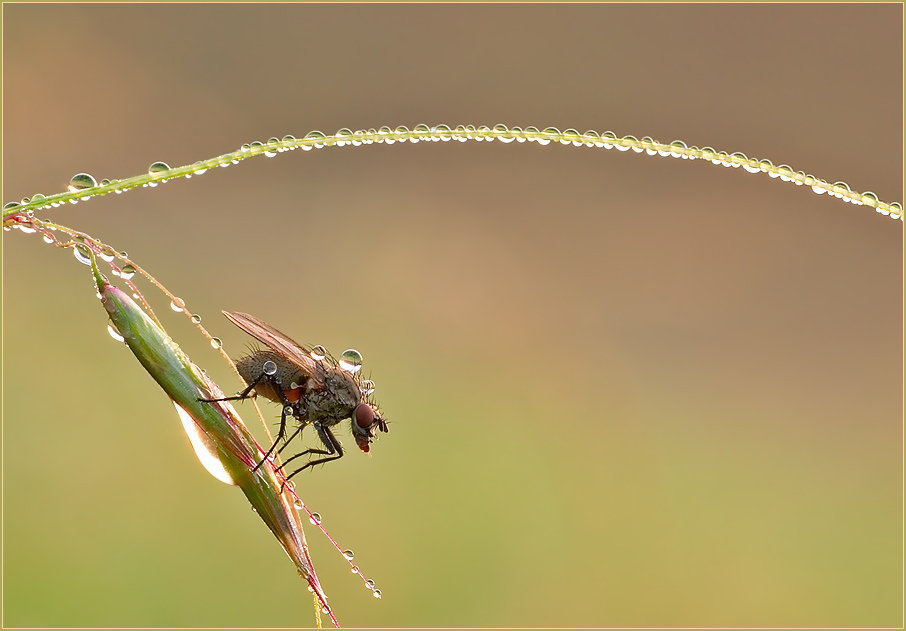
[[111, 329], [351, 360], [81, 181], [82, 254], [127, 272], [158, 167]]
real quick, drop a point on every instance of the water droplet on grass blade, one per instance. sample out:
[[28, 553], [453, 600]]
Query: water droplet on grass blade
[[158, 167], [315, 518], [127, 272], [81, 181], [216, 343], [349, 554], [82, 254], [178, 305], [111, 329]]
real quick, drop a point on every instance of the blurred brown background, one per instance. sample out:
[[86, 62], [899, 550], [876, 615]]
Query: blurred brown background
[[624, 390]]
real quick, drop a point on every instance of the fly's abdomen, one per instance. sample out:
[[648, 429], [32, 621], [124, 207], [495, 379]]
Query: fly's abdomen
[[287, 377]]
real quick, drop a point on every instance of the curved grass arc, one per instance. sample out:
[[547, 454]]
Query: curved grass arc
[[343, 137]]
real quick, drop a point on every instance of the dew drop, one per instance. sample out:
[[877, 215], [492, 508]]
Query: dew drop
[[355, 569], [288, 410], [377, 593], [368, 386], [289, 138], [318, 353], [127, 272], [178, 305], [107, 256], [216, 343], [114, 333], [315, 518], [504, 134], [158, 167], [81, 181], [269, 368], [26, 229], [315, 136], [48, 238], [196, 318], [82, 254], [298, 504], [369, 584], [349, 554], [10, 205], [351, 360]]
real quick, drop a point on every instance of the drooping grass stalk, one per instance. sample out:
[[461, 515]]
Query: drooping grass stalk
[[222, 442], [84, 186]]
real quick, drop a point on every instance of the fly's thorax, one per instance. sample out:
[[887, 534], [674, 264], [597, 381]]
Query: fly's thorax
[[287, 375]]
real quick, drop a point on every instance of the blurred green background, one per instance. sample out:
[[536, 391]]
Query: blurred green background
[[624, 390]]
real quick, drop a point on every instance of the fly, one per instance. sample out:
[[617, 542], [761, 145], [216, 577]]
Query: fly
[[313, 388]]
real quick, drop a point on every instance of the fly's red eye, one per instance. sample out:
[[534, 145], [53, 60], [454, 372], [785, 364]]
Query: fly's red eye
[[364, 416]]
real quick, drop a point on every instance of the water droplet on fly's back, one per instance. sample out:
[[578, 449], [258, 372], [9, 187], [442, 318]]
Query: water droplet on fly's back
[[178, 305], [114, 333], [318, 353], [349, 554], [351, 360], [127, 272], [82, 254], [81, 181], [216, 343], [158, 167], [269, 367], [315, 518]]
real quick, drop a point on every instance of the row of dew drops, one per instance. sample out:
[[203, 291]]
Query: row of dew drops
[[608, 140]]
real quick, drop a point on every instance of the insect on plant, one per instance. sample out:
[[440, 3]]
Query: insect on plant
[[313, 388]]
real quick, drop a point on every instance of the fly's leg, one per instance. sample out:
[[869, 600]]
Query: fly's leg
[[282, 432], [333, 450], [289, 440], [245, 394]]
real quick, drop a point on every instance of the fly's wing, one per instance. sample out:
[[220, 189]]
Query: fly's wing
[[280, 343]]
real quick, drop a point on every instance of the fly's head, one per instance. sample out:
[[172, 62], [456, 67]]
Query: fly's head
[[366, 420]]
